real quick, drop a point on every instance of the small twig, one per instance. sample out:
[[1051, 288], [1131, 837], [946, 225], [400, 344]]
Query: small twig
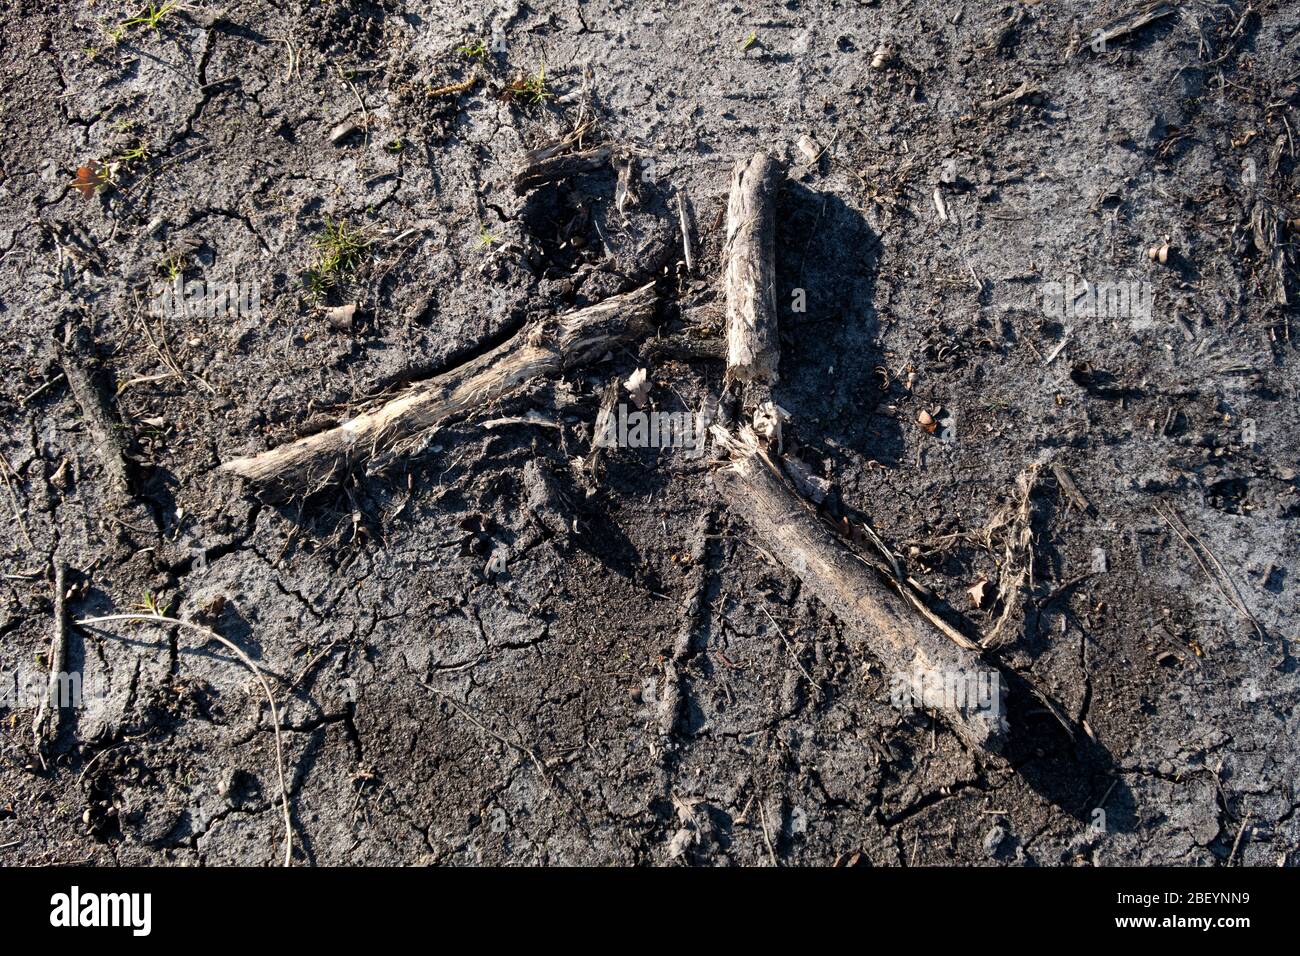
[[1071, 490], [762, 818], [46, 725], [1195, 545], [13, 496], [1237, 842], [41, 389], [688, 251], [292, 67], [247, 661], [365, 113], [463, 710], [781, 634]]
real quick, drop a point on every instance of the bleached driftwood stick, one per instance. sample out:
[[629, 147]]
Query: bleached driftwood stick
[[749, 278], [541, 349], [754, 487]]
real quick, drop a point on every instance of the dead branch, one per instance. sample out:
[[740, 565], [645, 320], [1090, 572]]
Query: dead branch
[[554, 162], [753, 486], [99, 422], [544, 348], [753, 350]]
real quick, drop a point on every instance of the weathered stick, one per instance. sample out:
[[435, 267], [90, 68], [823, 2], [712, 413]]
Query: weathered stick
[[46, 725], [548, 164], [753, 350], [541, 349], [1127, 24], [684, 222], [754, 487], [99, 422]]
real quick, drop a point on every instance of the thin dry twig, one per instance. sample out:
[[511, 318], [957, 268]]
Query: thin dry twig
[[464, 711], [13, 497], [247, 661], [1223, 581], [46, 725]]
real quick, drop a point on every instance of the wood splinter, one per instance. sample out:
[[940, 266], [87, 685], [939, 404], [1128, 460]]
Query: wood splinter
[[570, 340], [906, 644]]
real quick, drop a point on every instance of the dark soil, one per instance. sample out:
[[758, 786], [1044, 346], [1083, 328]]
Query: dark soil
[[436, 711]]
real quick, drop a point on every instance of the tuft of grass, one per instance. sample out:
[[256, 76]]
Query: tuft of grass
[[486, 237], [175, 265], [151, 605], [138, 153], [150, 18], [340, 251], [532, 89], [474, 49]]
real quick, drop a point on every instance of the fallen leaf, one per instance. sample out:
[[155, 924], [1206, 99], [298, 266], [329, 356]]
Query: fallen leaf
[[89, 178], [638, 386], [979, 593], [340, 317]]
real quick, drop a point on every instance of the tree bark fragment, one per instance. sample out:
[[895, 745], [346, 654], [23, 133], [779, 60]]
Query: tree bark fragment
[[548, 165]]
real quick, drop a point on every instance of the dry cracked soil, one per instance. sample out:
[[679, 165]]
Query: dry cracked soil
[[1061, 233]]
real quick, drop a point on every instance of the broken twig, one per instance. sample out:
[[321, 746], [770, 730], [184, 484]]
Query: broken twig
[[46, 725], [753, 486], [753, 349], [573, 339]]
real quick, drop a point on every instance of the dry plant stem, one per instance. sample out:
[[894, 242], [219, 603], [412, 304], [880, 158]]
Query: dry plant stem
[[1023, 91], [542, 349], [684, 222], [749, 278], [1196, 546], [46, 725], [247, 661], [754, 488]]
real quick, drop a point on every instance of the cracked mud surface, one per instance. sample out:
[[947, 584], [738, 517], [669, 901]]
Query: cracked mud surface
[[437, 713]]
